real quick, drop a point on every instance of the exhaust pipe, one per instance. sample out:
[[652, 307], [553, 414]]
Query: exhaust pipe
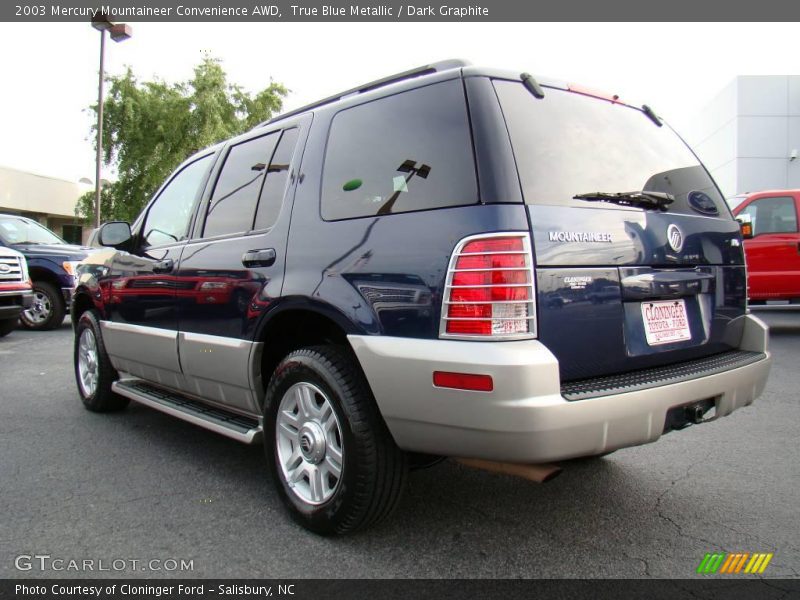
[[695, 413], [539, 473]]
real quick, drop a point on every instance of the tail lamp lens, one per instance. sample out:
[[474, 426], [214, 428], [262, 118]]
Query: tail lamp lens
[[490, 288]]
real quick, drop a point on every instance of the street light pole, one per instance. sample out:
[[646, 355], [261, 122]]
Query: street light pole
[[119, 33], [99, 157]]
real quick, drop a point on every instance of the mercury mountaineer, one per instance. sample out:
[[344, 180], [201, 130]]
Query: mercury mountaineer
[[449, 262]]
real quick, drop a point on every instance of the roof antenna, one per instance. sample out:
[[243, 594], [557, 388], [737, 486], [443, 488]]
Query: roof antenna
[[532, 85]]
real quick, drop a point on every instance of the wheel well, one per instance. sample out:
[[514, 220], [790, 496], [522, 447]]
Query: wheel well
[[293, 329], [80, 304], [39, 274]]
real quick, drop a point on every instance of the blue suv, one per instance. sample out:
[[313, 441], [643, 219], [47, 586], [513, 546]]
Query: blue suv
[[52, 264], [452, 261]]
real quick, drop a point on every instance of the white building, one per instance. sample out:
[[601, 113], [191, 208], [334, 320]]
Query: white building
[[48, 200], [749, 134]]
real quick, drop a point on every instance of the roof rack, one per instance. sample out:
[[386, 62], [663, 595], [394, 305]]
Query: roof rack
[[442, 65]]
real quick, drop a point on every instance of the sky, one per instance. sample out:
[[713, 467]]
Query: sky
[[49, 70]]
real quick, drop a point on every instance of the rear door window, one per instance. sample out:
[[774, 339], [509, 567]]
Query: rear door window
[[411, 151], [233, 204], [271, 200]]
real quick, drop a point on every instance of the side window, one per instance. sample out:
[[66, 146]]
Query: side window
[[169, 216], [411, 151], [772, 215], [271, 200], [233, 203]]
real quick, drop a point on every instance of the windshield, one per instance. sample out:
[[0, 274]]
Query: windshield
[[568, 144], [15, 230]]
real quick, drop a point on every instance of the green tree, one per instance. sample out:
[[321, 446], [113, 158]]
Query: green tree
[[150, 127]]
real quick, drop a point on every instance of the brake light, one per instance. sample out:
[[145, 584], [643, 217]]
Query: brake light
[[579, 89], [489, 291]]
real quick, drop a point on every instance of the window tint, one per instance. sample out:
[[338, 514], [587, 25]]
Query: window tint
[[568, 144], [411, 151], [233, 203], [269, 205], [772, 215], [168, 218]]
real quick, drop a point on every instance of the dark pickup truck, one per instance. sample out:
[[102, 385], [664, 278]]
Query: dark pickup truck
[[51, 262]]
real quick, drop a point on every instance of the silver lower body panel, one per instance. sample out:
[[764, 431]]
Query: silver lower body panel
[[525, 418]]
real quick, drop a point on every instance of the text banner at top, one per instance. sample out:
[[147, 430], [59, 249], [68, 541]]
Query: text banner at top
[[419, 11]]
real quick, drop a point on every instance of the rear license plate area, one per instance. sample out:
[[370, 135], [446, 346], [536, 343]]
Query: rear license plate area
[[665, 322]]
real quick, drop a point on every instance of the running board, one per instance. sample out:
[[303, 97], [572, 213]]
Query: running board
[[237, 427]]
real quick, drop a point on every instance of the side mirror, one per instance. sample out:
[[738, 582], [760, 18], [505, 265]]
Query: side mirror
[[114, 234], [745, 226]]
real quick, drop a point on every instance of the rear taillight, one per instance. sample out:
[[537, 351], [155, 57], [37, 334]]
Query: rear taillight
[[489, 291]]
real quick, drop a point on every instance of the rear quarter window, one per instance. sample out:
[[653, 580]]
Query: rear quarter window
[[411, 151]]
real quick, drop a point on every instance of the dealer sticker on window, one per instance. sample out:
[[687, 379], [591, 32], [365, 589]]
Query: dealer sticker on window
[[665, 322]]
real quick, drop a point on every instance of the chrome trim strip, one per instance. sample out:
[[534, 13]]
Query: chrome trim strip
[[491, 253], [491, 285], [486, 338]]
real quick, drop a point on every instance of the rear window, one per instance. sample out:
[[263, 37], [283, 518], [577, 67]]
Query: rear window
[[567, 144], [411, 151]]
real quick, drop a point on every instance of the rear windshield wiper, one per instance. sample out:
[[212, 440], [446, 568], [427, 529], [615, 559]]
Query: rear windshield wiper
[[643, 199]]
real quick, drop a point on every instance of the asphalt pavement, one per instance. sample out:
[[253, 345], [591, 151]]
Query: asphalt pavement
[[139, 486]]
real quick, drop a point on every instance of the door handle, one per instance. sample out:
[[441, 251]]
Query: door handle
[[259, 258], [164, 266]]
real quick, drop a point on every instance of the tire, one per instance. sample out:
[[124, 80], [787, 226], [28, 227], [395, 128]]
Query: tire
[[7, 326], [93, 371], [48, 308], [340, 425]]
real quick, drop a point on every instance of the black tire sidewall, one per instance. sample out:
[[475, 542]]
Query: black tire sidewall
[[323, 518], [103, 398]]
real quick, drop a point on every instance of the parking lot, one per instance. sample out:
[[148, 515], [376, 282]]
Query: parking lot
[[140, 485]]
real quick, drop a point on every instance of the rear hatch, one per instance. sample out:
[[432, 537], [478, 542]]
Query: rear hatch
[[625, 280]]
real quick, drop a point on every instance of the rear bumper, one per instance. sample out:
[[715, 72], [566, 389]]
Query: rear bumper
[[525, 418]]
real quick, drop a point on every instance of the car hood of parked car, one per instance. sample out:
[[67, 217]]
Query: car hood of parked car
[[69, 251]]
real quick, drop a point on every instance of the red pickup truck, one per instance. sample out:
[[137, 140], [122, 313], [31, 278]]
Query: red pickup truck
[[773, 253]]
